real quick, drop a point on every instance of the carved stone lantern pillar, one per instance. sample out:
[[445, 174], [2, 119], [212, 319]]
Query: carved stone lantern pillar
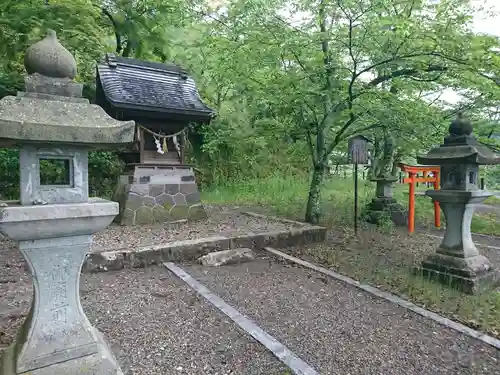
[[53, 126], [457, 261]]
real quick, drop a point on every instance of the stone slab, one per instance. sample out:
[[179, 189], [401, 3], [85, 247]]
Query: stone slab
[[62, 89], [45, 96], [225, 257]]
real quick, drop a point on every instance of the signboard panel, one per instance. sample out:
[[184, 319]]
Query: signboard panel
[[358, 150]]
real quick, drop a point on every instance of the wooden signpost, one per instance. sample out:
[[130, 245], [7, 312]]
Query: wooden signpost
[[358, 154]]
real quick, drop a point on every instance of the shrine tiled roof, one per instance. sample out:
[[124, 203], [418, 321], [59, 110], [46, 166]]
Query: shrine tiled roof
[[149, 86]]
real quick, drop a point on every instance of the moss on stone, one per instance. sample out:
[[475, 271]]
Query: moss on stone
[[179, 212], [161, 214], [197, 212], [144, 215], [127, 217]]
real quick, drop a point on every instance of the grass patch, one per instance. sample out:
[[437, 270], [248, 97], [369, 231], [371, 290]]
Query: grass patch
[[288, 196], [494, 201], [373, 257]]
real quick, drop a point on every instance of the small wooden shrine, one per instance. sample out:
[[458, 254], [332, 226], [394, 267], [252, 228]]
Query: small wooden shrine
[[156, 185]]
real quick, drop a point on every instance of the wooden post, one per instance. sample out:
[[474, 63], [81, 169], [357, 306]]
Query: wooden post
[[141, 145], [357, 154], [437, 211], [183, 147], [411, 203], [356, 198]]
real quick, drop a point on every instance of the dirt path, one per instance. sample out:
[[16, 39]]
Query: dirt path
[[339, 330], [154, 323]]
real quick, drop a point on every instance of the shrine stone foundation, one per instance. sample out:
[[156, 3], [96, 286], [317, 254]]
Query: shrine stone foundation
[[150, 194]]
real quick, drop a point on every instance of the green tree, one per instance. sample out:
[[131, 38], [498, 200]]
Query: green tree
[[78, 25], [144, 28], [332, 73]]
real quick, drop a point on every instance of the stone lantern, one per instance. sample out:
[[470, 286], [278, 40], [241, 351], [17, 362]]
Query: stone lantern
[[52, 125], [457, 262]]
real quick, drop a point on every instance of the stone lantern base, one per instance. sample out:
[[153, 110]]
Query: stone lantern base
[[102, 362], [384, 205], [57, 337], [457, 262], [472, 276]]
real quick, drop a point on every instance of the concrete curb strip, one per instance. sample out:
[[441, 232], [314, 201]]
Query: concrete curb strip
[[296, 365], [392, 298], [190, 250]]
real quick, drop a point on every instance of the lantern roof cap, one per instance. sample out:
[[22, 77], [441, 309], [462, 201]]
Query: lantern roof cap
[[460, 146]]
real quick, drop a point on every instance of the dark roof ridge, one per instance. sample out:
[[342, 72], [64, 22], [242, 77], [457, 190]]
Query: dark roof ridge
[[112, 61], [149, 86]]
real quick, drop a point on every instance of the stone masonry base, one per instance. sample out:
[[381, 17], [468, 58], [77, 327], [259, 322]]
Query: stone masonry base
[[459, 279], [158, 194]]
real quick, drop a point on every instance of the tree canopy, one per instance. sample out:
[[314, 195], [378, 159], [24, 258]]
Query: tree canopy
[[291, 80]]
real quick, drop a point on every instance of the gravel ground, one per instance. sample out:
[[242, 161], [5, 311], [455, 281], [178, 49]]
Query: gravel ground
[[222, 221], [159, 325], [15, 292], [341, 330]]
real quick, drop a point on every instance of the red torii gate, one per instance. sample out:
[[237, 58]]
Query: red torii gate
[[412, 179]]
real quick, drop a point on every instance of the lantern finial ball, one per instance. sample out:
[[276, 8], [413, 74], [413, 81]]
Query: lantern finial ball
[[49, 58], [460, 126]]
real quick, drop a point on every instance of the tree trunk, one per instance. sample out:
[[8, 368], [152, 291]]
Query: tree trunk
[[128, 49], [313, 209]]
